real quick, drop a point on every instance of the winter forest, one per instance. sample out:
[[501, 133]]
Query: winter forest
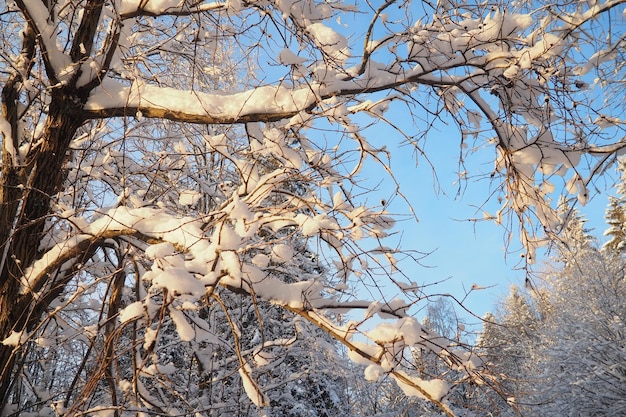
[[191, 220]]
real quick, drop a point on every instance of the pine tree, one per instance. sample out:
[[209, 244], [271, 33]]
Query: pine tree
[[508, 343], [574, 235], [616, 220], [616, 215], [582, 342], [559, 349]]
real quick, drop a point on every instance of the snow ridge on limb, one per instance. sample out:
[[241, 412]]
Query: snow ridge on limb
[[378, 357], [262, 104]]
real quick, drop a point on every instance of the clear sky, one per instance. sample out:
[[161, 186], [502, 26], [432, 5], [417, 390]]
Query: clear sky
[[464, 252]]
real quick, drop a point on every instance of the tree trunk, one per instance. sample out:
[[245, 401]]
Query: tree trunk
[[26, 197]]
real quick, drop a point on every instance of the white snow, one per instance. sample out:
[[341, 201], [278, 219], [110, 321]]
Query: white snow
[[373, 372], [370, 350], [50, 258], [434, 388], [45, 342], [282, 253], [159, 250], [222, 106], [149, 337], [15, 338], [131, 311], [160, 6], [176, 280], [184, 329], [287, 57], [7, 140], [261, 260], [189, 198], [313, 225], [100, 411], [250, 387], [331, 42], [47, 28]]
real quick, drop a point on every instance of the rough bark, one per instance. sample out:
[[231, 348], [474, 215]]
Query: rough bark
[[28, 186], [26, 202]]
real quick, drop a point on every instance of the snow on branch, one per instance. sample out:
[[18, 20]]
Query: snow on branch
[[382, 357], [188, 263], [133, 8], [265, 104]]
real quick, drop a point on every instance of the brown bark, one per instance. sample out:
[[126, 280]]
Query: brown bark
[[26, 201]]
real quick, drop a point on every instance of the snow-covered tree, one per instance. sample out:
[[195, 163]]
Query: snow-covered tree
[[574, 237], [616, 215], [582, 355], [161, 158], [499, 401], [382, 397], [583, 335], [559, 349], [507, 344], [442, 318]]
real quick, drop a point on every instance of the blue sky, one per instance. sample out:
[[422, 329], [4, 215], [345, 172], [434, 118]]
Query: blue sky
[[464, 252]]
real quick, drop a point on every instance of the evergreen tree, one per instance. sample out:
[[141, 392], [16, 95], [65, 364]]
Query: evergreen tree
[[559, 350], [508, 343], [582, 354], [489, 344], [574, 235], [616, 215]]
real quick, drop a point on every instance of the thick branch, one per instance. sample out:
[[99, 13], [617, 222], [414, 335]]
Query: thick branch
[[83, 40], [185, 10], [10, 192], [35, 16], [41, 276], [260, 104], [187, 117]]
